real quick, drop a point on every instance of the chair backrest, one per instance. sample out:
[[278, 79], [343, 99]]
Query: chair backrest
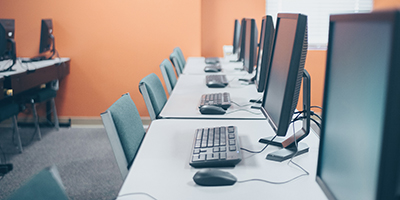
[[182, 58], [167, 70], [174, 57], [125, 131], [44, 185], [153, 94]]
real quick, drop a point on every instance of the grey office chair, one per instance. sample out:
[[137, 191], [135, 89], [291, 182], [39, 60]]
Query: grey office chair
[[153, 94], [167, 70], [125, 131], [44, 185], [10, 109], [182, 58], [174, 57]]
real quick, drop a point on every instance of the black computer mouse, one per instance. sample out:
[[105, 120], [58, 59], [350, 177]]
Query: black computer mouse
[[215, 84], [213, 177], [212, 110], [211, 69]]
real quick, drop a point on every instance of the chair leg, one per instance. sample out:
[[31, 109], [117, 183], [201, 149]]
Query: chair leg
[[36, 118], [56, 123], [16, 131]]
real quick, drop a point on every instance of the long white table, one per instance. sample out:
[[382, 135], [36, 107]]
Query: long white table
[[185, 99], [161, 168]]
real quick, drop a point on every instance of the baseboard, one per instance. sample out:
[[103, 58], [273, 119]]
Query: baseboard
[[75, 121]]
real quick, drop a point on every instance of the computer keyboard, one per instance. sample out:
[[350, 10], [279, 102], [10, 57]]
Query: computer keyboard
[[222, 100], [216, 147], [214, 81], [211, 60]]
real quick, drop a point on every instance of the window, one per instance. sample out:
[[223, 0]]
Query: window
[[318, 12]]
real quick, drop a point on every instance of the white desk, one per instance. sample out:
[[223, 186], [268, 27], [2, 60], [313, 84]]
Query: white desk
[[185, 99], [195, 65], [161, 167]]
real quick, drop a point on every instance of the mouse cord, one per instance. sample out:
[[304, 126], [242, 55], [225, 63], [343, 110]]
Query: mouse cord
[[306, 173], [251, 151], [241, 105], [137, 193], [254, 113]]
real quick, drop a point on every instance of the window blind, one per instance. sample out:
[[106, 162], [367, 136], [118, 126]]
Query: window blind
[[318, 12]]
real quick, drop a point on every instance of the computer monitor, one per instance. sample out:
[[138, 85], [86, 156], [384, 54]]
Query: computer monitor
[[264, 52], [360, 141], [285, 75], [47, 37], [236, 35], [7, 42], [250, 42], [240, 49]]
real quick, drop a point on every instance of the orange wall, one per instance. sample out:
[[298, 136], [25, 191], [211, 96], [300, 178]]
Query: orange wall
[[386, 4], [112, 44], [217, 22]]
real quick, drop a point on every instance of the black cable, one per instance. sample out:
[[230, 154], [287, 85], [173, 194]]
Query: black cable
[[251, 151], [137, 193], [316, 107]]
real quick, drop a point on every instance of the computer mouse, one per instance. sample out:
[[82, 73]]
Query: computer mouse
[[211, 69], [213, 177], [215, 84], [212, 110]]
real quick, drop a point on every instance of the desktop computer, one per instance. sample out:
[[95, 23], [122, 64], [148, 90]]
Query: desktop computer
[[47, 42], [7, 42], [360, 141]]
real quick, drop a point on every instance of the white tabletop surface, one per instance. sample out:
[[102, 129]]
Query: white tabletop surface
[[161, 168], [20, 67], [195, 65]]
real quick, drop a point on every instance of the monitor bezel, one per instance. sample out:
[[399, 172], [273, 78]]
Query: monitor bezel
[[389, 174], [264, 60], [240, 50], [250, 45], [236, 36], [5, 41], [294, 74], [46, 36]]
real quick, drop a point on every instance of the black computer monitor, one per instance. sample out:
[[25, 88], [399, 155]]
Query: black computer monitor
[[360, 141], [240, 49], [264, 52], [47, 37], [236, 35], [7, 42], [250, 42], [285, 75]]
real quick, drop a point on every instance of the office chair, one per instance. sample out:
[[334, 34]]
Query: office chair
[[10, 109], [153, 94], [182, 58], [167, 70], [125, 131], [44, 185], [174, 57], [44, 95]]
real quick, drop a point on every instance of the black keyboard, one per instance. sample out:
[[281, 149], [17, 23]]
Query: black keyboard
[[216, 80], [211, 60], [216, 99], [216, 147]]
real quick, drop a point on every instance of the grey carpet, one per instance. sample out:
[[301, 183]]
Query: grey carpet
[[83, 156]]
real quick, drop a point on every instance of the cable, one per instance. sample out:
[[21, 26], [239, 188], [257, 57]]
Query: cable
[[240, 105], [137, 193], [242, 110], [251, 151], [316, 107]]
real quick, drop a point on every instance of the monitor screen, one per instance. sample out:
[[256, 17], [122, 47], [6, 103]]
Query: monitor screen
[[46, 36], [360, 103], [264, 52], [236, 35], [286, 71], [7, 32], [240, 49], [250, 42]]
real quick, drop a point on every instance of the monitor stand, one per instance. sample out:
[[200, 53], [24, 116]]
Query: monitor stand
[[249, 81], [288, 144]]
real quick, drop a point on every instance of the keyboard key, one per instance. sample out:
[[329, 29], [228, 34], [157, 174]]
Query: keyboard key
[[216, 149], [232, 148], [231, 142], [222, 149], [222, 156], [196, 151]]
